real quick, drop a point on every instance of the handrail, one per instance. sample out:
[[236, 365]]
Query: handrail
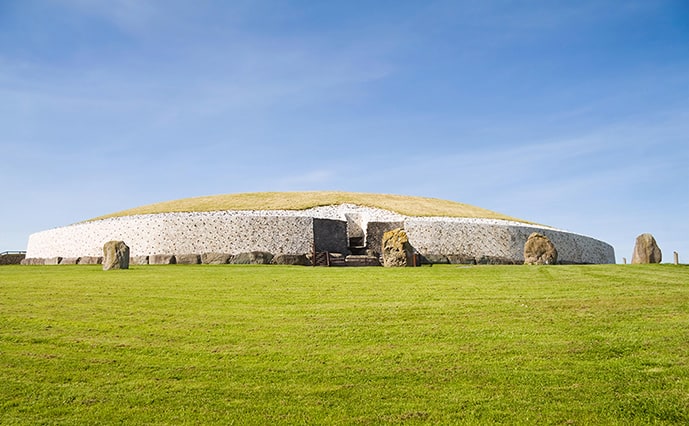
[[12, 252]]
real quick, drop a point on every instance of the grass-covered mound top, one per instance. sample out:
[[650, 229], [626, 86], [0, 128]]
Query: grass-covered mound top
[[406, 205]]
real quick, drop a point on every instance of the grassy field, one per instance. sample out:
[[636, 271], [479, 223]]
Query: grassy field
[[236, 344], [410, 206]]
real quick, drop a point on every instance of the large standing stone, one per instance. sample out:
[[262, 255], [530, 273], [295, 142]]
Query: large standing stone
[[646, 250], [396, 248], [115, 255], [539, 250]]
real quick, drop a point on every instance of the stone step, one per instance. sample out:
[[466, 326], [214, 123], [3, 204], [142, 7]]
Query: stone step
[[362, 260]]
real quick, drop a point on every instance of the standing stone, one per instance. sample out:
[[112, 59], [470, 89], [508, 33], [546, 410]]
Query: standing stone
[[539, 250], [646, 250], [396, 248], [115, 255]]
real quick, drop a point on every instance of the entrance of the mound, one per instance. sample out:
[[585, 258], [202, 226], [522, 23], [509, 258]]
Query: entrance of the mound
[[363, 246]]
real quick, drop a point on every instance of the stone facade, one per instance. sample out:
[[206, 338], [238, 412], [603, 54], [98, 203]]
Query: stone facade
[[328, 235], [497, 241], [454, 240], [183, 233]]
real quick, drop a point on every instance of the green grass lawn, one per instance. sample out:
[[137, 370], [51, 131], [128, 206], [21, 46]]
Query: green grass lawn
[[235, 344]]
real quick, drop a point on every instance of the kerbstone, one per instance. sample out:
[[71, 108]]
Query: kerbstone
[[162, 259], [291, 259], [215, 258], [138, 260], [188, 259], [90, 260], [252, 258]]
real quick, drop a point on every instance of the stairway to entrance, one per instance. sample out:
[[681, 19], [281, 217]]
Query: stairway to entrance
[[357, 246]]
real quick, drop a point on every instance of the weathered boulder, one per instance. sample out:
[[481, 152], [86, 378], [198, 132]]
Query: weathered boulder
[[33, 261], [115, 255], [291, 259], [70, 260], [215, 258], [162, 259], [188, 259], [396, 248], [539, 250], [53, 260], [253, 258], [646, 250]]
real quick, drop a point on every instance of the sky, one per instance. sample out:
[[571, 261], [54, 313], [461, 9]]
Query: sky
[[569, 114]]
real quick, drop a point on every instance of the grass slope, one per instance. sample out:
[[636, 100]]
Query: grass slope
[[604, 344], [410, 206]]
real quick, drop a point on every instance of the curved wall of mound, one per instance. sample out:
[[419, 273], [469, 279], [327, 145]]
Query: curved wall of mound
[[494, 241], [187, 233], [453, 240]]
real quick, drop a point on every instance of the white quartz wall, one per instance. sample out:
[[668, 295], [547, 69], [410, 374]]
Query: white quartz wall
[[178, 233], [292, 232], [499, 239]]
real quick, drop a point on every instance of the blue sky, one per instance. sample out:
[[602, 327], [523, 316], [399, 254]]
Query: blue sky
[[571, 114]]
